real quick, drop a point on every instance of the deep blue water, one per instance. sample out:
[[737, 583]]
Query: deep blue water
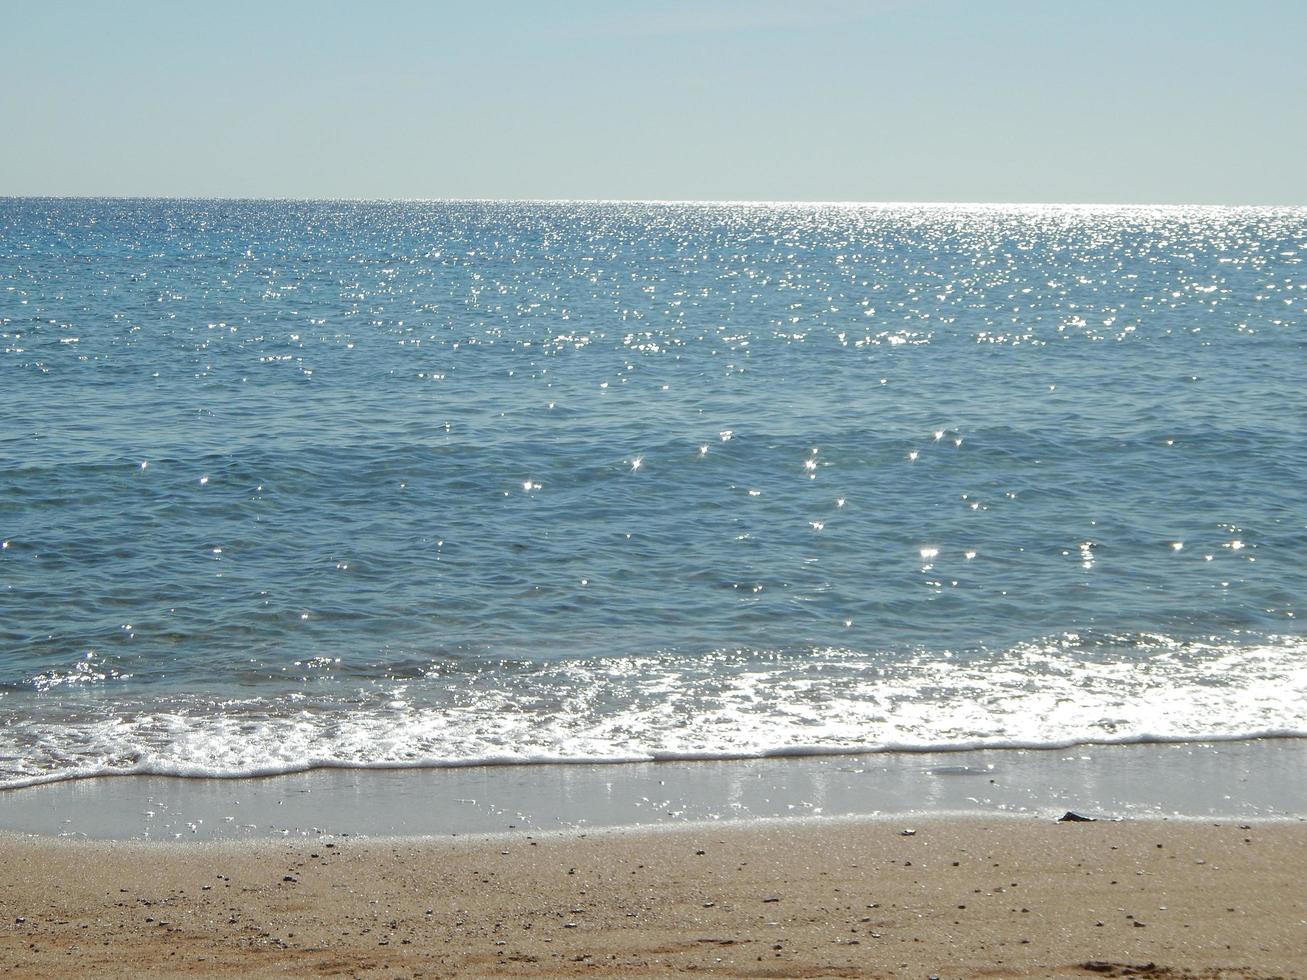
[[288, 483]]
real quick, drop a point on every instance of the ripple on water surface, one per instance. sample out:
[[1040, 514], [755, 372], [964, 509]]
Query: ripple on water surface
[[291, 483]]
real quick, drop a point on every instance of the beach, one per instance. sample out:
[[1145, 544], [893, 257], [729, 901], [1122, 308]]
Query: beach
[[1190, 864], [945, 896], [464, 587], [750, 489]]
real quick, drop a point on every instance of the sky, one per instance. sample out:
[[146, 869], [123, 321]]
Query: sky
[[1080, 101]]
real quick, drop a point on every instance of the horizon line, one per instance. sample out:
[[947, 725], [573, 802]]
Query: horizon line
[[759, 202]]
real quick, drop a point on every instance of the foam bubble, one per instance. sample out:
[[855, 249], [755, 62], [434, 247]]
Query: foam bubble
[[727, 705]]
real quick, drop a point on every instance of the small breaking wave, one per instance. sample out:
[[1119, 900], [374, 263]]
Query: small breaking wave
[[729, 705], [176, 771]]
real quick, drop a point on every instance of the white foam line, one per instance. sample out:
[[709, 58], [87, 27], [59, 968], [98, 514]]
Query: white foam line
[[180, 771]]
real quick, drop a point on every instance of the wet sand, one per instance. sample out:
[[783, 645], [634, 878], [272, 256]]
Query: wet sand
[[1237, 780], [960, 897]]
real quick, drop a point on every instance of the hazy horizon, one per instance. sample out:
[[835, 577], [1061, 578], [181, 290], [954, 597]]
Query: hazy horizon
[[1088, 205], [838, 101]]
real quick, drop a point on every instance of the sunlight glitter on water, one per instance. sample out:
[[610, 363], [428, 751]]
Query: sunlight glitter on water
[[433, 437]]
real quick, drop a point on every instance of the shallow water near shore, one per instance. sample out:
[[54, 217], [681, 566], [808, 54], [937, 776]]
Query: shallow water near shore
[[1253, 780]]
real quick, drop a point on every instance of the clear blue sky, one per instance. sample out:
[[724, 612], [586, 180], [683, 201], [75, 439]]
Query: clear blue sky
[[1153, 101]]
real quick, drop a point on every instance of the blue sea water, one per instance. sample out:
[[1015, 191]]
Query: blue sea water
[[292, 484]]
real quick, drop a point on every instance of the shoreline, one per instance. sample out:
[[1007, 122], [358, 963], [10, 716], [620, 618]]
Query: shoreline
[[1258, 779], [957, 897]]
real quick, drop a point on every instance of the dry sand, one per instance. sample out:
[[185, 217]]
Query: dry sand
[[959, 898]]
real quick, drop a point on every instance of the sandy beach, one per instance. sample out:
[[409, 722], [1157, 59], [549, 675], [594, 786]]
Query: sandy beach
[[956, 897], [634, 489]]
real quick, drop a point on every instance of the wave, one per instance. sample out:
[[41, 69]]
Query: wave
[[175, 771], [1057, 692]]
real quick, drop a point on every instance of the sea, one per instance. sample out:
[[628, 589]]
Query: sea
[[288, 485]]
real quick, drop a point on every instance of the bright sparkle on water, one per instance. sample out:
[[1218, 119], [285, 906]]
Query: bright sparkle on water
[[283, 441]]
